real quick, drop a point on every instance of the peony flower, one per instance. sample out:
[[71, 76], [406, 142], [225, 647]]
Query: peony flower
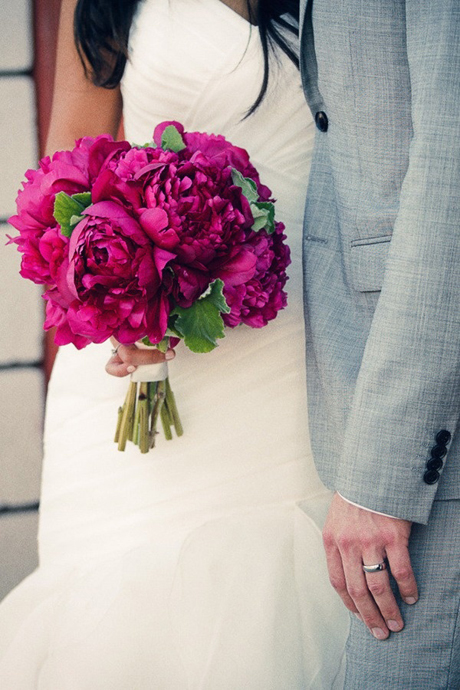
[[113, 280], [224, 154], [193, 209], [39, 240], [258, 300]]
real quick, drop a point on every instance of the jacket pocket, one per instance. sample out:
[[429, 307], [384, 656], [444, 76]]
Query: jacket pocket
[[367, 262]]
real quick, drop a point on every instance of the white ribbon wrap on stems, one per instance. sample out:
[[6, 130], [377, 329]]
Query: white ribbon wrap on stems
[[149, 372]]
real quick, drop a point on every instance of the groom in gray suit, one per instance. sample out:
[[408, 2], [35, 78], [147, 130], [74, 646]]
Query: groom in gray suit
[[382, 272]]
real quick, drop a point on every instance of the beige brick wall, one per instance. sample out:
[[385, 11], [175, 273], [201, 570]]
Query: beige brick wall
[[21, 342]]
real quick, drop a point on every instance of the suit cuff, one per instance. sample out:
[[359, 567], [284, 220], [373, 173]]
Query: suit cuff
[[368, 509]]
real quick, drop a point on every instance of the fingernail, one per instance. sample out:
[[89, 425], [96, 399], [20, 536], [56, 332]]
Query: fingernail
[[170, 354], [410, 600], [130, 369], [394, 625], [378, 633]]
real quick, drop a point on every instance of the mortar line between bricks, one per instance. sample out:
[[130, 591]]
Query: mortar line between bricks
[[11, 73], [6, 366], [10, 508]]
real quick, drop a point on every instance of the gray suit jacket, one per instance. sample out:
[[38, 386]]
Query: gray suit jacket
[[382, 249]]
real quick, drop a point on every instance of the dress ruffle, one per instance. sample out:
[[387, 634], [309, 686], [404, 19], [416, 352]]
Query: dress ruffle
[[242, 602]]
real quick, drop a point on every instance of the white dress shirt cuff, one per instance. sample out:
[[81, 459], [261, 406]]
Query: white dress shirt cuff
[[368, 509]]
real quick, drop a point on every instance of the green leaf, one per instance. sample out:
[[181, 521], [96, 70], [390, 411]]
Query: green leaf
[[171, 331], [83, 198], [248, 186], [172, 139], [67, 210], [264, 216], [74, 222], [201, 324], [147, 341], [163, 345], [215, 295]]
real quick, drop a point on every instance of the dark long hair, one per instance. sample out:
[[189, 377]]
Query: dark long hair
[[102, 32]]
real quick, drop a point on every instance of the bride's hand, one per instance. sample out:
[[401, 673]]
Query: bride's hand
[[126, 358]]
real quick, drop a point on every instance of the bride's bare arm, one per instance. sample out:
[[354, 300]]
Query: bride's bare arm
[[82, 109], [79, 107]]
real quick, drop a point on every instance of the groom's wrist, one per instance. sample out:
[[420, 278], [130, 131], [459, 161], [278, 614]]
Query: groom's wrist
[[370, 510]]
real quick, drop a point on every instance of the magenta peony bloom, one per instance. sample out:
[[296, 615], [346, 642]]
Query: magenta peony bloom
[[216, 147], [113, 280], [161, 228], [224, 154], [40, 242], [204, 218], [121, 178], [258, 300]]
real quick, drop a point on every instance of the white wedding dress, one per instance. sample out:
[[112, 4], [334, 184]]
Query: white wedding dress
[[198, 566]]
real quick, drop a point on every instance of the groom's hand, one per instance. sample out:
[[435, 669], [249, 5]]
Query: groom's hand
[[353, 537]]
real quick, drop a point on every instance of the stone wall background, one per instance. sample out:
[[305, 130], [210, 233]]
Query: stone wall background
[[21, 309]]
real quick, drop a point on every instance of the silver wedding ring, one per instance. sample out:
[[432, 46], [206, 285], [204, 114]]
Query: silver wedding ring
[[115, 349], [374, 568]]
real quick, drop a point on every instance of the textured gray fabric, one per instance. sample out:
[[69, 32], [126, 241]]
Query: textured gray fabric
[[382, 299], [426, 654], [382, 247]]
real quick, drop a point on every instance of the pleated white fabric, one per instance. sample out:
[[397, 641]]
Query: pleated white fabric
[[200, 565]]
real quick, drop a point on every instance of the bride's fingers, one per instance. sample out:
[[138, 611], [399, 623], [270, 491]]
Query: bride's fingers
[[116, 367], [133, 356], [126, 358]]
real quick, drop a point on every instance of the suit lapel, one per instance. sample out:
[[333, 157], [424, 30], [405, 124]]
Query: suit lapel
[[308, 64]]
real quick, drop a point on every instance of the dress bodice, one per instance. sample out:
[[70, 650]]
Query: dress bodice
[[211, 87]]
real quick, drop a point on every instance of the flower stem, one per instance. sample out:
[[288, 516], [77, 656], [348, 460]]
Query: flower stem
[[127, 420], [135, 437], [172, 408], [143, 405], [158, 402], [166, 422], [119, 418]]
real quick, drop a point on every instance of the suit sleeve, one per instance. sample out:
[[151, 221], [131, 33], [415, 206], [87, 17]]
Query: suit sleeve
[[408, 388]]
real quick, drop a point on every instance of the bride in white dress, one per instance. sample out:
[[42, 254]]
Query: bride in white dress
[[198, 566]]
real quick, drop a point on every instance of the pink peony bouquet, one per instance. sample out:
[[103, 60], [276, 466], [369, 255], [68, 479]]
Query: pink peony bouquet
[[174, 239]]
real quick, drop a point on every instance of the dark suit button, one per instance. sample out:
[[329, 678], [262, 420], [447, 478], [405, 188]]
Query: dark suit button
[[434, 464], [438, 452], [431, 476], [321, 121], [443, 437]]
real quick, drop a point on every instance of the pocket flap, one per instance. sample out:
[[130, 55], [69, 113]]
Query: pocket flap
[[368, 261]]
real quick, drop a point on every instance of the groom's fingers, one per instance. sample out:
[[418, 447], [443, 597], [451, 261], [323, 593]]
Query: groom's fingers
[[337, 576], [378, 584], [401, 569], [368, 595], [355, 536]]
